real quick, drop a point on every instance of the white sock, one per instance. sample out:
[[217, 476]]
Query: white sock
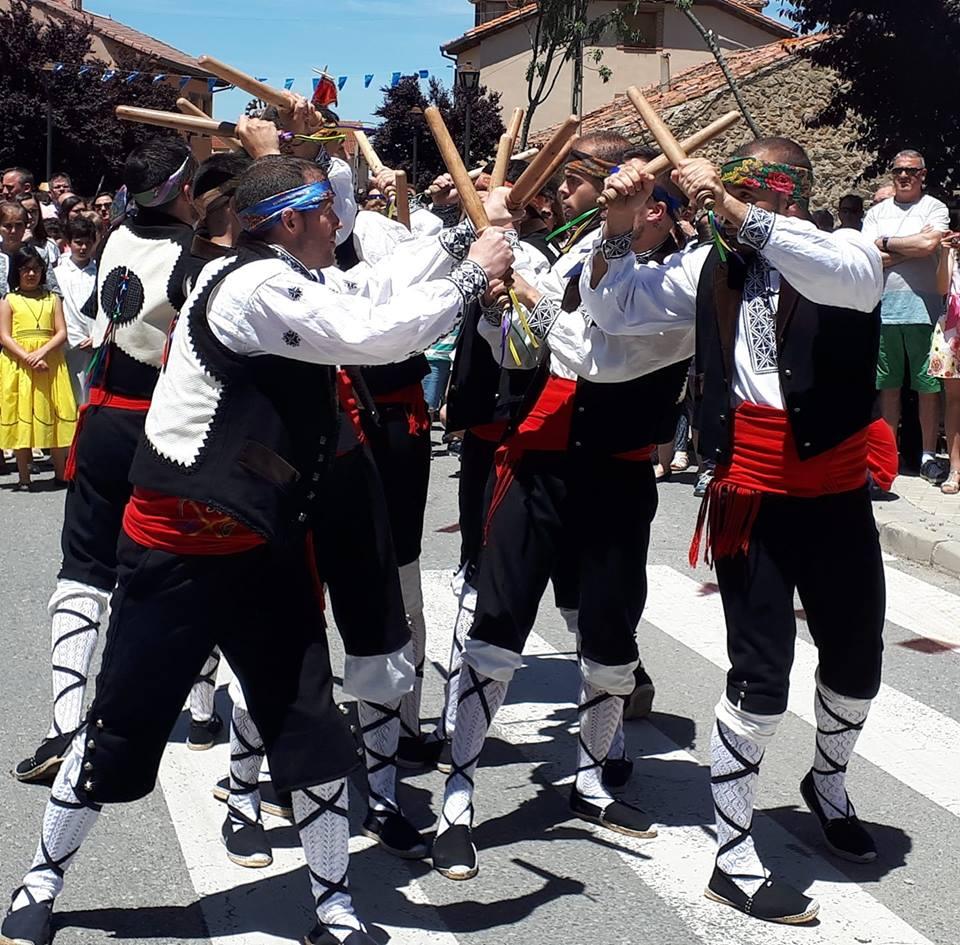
[[246, 756], [479, 699], [734, 777], [413, 606], [451, 689], [618, 744], [599, 713], [66, 823], [380, 729], [839, 723], [205, 689], [320, 814], [73, 637]]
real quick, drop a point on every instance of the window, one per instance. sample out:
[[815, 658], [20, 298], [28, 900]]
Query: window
[[642, 30]]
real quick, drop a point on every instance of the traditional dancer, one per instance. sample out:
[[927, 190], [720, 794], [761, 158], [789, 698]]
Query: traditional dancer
[[786, 422], [573, 474], [140, 287], [239, 434]]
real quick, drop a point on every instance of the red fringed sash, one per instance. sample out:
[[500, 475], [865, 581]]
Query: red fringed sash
[[412, 398], [99, 398], [546, 428], [765, 461]]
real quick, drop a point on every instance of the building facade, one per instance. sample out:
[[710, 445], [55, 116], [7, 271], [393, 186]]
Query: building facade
[[666, 43]]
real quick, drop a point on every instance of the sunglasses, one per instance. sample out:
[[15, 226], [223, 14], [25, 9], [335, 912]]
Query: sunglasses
[[909, 171], [103, 206]]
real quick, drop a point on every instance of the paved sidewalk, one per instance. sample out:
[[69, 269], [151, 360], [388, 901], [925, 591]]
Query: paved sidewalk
[[921, 524]]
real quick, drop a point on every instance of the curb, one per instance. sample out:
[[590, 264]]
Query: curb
[[916, 542]]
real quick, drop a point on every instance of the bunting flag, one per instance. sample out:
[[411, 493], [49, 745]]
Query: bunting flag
[[326, 88]]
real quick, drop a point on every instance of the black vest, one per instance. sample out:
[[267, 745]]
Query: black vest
[[827, 359], [626, 416], [273, 436]]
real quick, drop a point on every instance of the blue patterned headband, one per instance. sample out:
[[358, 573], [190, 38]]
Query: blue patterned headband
[[264, 214]]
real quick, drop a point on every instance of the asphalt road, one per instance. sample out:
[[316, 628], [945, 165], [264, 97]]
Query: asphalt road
[[155, 872]]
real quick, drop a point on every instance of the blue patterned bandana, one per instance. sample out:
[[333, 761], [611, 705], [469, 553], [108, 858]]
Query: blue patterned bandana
[[261, 216]]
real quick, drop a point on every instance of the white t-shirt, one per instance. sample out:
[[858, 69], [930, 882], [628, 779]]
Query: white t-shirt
[[76, 286], [910, 295]]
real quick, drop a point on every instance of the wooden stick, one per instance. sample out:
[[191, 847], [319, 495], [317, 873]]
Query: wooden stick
[[188, 108], [504, 150], [696, 141], [472, 204], [554, 151], [516, 120], [369, 155], [402, 198], [191, 124], [266, 93], [664, 136]]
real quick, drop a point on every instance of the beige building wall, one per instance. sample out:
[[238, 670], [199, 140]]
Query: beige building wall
[[503, 59]]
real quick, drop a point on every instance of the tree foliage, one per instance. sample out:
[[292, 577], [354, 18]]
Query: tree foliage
[[896, 62], [394, 138], [88, 140]]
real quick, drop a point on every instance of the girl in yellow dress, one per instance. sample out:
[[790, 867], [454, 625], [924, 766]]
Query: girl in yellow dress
[[37, 408]]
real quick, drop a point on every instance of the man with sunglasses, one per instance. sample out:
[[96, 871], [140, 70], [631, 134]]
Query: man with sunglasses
[[907, 229], [103, 204]]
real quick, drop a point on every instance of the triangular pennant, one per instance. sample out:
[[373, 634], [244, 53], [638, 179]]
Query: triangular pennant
[[424, 73], [184, 79], [158, 78], [367, 79], [288, 84], [131, 77], [395, 80], [108, 75], [341, 82]]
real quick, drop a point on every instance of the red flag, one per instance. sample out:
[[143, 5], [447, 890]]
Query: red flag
[[325, 93]]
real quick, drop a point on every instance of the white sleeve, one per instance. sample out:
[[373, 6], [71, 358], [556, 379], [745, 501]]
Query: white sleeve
[[344, 201], [289, 316], [842, 268], [939, 216], [424, 223], [643, 298], [610, 359], [871, 224]]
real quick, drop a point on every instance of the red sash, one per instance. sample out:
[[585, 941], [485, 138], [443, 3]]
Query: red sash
[[99, 398], [351, 406], [184, 527], [765, 462], [412, 398], [545, 428]]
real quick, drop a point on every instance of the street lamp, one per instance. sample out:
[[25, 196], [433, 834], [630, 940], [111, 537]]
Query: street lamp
[[417, 114], [468, 81]]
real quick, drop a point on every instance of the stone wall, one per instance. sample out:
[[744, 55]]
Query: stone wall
[[781, 98]]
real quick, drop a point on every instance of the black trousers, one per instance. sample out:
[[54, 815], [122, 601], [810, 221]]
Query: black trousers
[[476, 464], [592, 513], [168, 612], [355, 558], [98, 494], [828, 551], [477, 480], [404, 463]]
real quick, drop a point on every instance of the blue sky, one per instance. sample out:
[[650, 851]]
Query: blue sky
[[279, 40]]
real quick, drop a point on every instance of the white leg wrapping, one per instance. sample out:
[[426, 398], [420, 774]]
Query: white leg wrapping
[[66, 823], [618, 744], [320, 814], [839, 723], [599, 712], [205, 689], [380, 728], [451, 689], [246, 756], [734, 777], [412, 592], [479, 699], [74, 628]]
